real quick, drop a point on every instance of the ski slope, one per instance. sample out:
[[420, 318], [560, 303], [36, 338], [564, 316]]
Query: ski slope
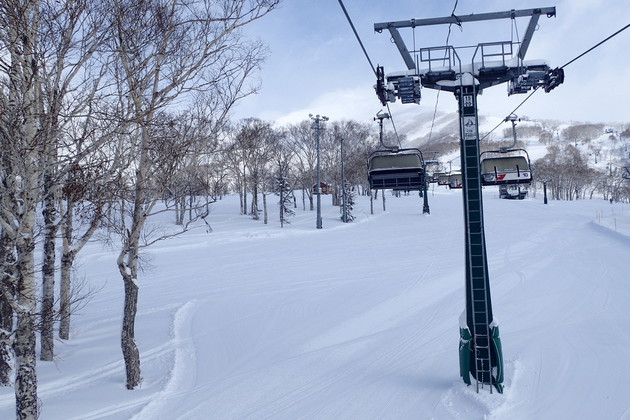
[[356, 321]]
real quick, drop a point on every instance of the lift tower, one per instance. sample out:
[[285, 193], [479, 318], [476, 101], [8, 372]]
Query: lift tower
[[492, 63]]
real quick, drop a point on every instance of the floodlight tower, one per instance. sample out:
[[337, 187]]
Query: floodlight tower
[[317, 120], [493, 63]]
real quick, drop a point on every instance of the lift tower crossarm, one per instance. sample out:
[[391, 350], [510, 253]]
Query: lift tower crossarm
[[510, 14], [392, 27]]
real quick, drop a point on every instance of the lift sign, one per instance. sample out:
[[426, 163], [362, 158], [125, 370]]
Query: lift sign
[[470, 128]]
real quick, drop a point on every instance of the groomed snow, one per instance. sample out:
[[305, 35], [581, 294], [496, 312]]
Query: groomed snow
[[356, 321]]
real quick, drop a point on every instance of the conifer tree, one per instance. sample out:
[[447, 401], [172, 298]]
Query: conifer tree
[[284, 190], [347, 203]]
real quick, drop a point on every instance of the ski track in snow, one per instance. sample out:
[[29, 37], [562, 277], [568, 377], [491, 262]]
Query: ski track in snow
[[183, 372]]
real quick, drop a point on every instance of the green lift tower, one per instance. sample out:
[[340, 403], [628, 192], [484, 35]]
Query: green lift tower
[[492, 63]]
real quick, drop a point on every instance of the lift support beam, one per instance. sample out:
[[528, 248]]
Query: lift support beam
[[393, 27]]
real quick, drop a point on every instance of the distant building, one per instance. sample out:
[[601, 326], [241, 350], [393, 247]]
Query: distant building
[[326, 188]]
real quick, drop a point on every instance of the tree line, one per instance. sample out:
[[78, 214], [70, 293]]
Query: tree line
[[105, 109], [105, 121], [570, 166]]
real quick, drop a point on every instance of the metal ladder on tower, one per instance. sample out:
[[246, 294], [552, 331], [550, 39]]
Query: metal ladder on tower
[[479, 298], [479, 312]]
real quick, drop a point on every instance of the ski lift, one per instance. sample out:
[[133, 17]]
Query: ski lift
[[443, 179], [435, 177], [398, 169], [505, 166], [455, 180]]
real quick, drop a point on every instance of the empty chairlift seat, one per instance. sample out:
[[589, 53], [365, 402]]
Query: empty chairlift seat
[[401, 170], [509, 167], [455, 180]]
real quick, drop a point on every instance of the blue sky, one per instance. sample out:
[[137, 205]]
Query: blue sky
[[316, 66]]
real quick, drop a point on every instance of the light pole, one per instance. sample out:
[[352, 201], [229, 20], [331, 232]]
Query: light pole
[[544, 181], [317, 127]]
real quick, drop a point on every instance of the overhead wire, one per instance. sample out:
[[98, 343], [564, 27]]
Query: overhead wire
[[437, 98], [356, 34], [562, 67]]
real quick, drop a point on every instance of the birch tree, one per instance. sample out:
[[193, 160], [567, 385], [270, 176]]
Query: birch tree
[[71, 33], [155, 72], [19, 195]]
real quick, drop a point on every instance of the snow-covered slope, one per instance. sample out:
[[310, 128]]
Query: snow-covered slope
[[356, 321]]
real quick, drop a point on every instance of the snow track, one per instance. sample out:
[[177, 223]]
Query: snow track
[[183, 372]]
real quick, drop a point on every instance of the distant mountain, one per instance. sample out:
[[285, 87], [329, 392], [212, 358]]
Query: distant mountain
[[605, 146]]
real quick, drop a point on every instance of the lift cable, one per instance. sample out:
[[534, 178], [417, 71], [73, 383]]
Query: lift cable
[[356, 34], [437, 98], [597, 45], [562, 67]]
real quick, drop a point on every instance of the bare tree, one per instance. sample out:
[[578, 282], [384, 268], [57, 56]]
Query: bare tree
[[566, 171], [153, 70], [302, 141], [70, 33], [255, 142], [283, 184], [20, 188]]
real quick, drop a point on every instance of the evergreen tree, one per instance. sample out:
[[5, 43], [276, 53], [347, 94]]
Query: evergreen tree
[[348, 205], [284, 190]]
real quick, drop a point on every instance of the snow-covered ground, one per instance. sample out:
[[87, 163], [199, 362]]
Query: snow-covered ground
[[357, 321]]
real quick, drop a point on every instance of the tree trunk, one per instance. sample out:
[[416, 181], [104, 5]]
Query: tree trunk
[[191, 203], [6, 312], [48, 274], [255, 201], [24, 343], [65, 309], [265, 215], [128, 271], [244, 210], [128, 264], [281, 207], [26, 377], [131, 355], [67, 259]]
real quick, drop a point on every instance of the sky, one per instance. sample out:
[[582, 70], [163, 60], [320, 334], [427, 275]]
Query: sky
[[316, 66]]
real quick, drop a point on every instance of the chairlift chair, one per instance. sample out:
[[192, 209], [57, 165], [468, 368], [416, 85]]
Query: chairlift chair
[[400, 169], [443, 179], [435, 177], [455, 180], [499, 167]]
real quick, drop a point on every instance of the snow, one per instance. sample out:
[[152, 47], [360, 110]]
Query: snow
[[358, 320]]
